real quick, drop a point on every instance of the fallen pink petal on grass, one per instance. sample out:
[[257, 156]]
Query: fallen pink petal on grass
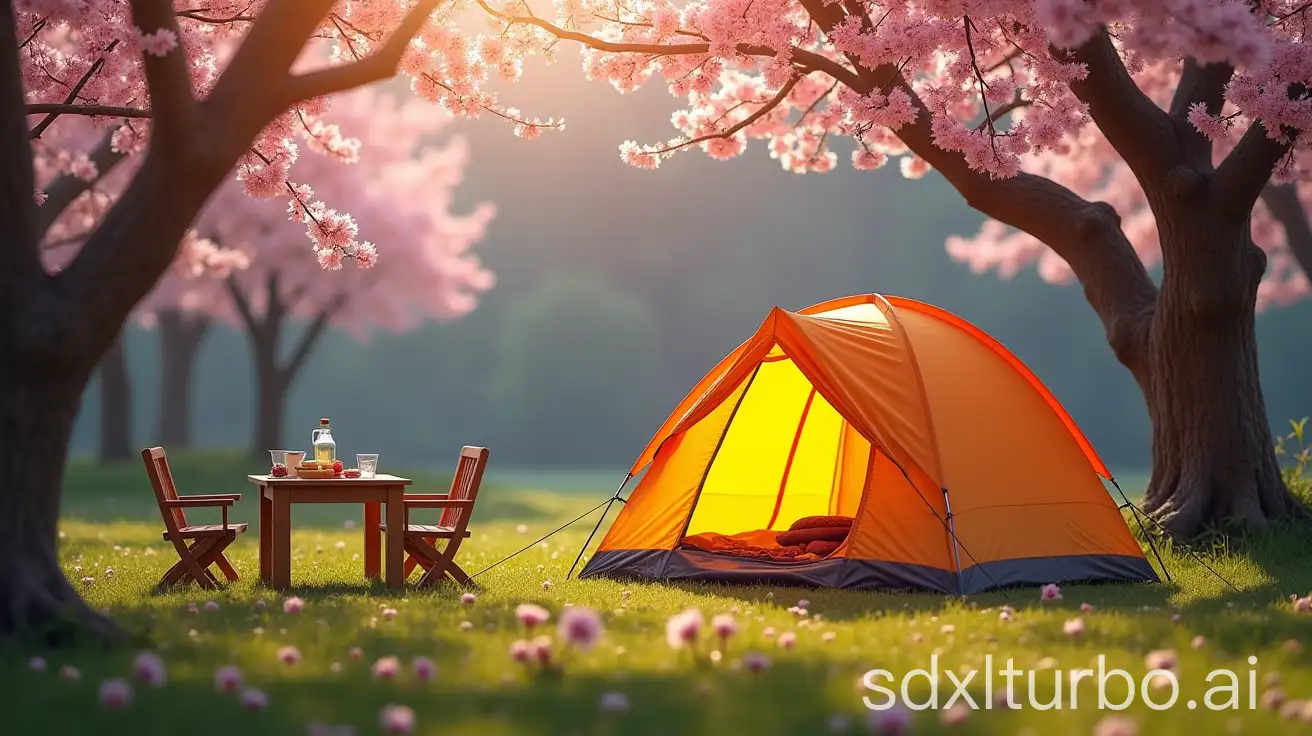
[[115, 693], [227, 679]]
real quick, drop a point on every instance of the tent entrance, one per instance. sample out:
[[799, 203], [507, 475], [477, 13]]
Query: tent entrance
[[786, 454]]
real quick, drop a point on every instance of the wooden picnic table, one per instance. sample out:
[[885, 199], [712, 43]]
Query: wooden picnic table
[[278, 494]]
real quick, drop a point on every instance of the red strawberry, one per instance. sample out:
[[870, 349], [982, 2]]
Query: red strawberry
[[337, 467]]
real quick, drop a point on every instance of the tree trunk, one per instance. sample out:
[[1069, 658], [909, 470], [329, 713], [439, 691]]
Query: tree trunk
[[115, 404], [271, 392], [35, 597], [1213, 453], [180, 337]]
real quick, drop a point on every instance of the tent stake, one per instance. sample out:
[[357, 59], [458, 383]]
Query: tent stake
[[1142, 528], [609, 503]]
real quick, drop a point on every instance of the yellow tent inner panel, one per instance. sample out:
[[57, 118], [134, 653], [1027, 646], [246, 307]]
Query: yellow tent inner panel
[[786, 454]]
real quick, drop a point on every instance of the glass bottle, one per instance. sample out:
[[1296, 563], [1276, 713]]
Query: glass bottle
[[325, 449]]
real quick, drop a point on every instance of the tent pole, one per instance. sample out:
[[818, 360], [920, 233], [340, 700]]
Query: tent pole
[[952, 530], [610, 503]]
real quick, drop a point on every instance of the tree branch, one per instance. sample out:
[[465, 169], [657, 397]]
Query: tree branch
[[382, 64], [311, 335], [18, 245], [242, 303], [1140, 131], [48, 120], [757, 114], [173, 106], [1287, 208], [66, 188], [106, 111], [1203, 83], [1240, 178]]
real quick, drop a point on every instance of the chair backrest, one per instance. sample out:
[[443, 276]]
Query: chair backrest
[[464, 486], [161, 479]]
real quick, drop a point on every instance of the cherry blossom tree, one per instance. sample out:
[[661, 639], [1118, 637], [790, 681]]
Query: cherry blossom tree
[[400, 191]]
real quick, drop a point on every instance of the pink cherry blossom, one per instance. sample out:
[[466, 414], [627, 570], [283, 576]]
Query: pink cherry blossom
[[227, 679], [1161, 659], [1086, 608], [531, 615], [1073, 627], [389, 613], [1302, 605], [293, 605], [148, 669], [540, 649], [70, 673], [787, 640], [468, 599], [1050, 592], [683, 628], [521, 650], [386, 668], [355, 653], [1116, 725], [115, 693], [211, 606], [613, 701], [579, 627], [756, 662], [37, 664], [397, 719]]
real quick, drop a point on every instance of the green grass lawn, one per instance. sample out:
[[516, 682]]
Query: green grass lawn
[[110, 521]]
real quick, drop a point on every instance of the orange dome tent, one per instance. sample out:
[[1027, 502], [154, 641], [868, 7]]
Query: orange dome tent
[[959, 471]]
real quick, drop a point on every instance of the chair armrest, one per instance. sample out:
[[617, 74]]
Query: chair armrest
[[234, 497], [188, 502], [426, 497], [442, 503]]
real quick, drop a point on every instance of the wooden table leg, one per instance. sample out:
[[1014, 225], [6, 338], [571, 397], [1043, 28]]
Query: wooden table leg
[[281, 542], [266, 537], [396, 537], [372, 518]]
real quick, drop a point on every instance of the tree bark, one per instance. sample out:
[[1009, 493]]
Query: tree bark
[[270, 403], [115, 405], [181, 336], [1213, 458], [37, 410]]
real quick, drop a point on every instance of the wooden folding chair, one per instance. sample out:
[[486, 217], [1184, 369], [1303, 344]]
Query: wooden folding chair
[[458, 506], [198, 546]]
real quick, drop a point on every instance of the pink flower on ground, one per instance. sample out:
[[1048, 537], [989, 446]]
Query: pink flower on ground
[[787, 640], [192, 608], [70, 673], [683, 628], [804, 603], [260, 603], [293, 605], [956, 715], [828, 636], [1302, 605], [546, 585], [355, 654], [468, 599], [227, 679], [894, 720], [425, 669], [115, 693], [148, 669], [386, 668], [1006, 613], [211, 606], [1161, 659], [1198, 642], [1116, 726], [1050, 592], [756, 662], [580, 627], [531, 615], [768, 632], [289, 655], [389, 613], [398, 719], [1073, 627], [1086, 608], [36, 664], [613, 701], [252, 699], [87, 582], [521, 651], [541, 647], [724, 626]]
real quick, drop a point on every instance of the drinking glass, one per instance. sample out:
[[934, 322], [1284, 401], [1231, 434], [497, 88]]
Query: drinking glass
[[278, 457], [368, 464]]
